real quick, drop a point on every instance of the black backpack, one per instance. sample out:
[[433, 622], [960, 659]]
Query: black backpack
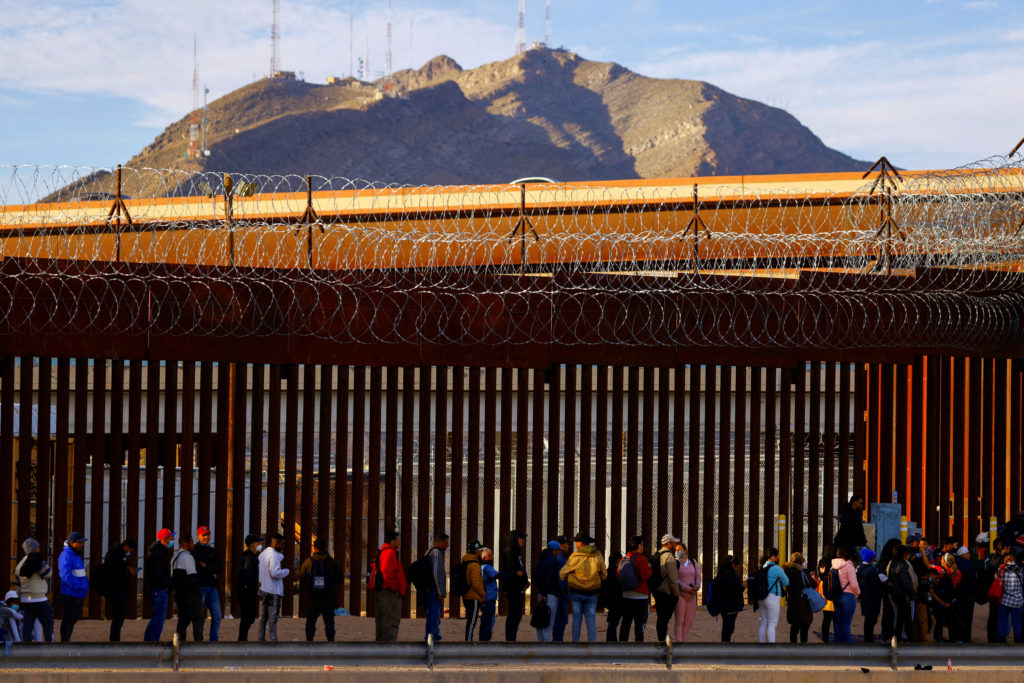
[[833, 585], [374, 576], [319, 577], [460, 580], [657, 575], [626, 573], [758, 587], [421, 573]]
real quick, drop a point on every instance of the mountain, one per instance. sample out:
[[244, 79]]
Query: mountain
[[543, 112]]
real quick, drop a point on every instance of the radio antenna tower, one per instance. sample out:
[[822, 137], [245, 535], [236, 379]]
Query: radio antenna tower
[[193, 124], [547, 24], [387, 64], [275, 63], [521, 31], [351, 39]]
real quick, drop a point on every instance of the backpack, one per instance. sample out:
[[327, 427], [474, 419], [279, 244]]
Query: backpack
[[757, 586], [374, 576], [459, 579], [711, 604], [626, 573], [421, 573], [319, 577], [832, 585], [657, 572]]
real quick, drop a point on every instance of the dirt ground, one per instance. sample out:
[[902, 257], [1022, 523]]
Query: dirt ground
[[705, 628]]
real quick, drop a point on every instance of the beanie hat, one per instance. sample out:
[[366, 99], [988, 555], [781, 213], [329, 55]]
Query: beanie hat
[[30, 545]]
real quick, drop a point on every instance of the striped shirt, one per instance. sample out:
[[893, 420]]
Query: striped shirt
[[1013, 596]]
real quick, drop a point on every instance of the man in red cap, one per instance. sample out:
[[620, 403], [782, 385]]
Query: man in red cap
[[157, 571], [209, 566]]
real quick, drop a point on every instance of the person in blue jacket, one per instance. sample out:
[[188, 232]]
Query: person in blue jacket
[[488, 606], [770, 606], [74, 584], [872, 590]]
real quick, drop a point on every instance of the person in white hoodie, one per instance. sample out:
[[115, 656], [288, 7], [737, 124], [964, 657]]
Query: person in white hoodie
[[271, 587]]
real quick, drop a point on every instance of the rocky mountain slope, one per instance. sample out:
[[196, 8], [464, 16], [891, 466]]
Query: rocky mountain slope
[[544, 112]]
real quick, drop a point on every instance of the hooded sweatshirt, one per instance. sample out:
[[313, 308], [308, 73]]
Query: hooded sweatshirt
[[585, 571], [474, 578], [847, 575], [271, 571]]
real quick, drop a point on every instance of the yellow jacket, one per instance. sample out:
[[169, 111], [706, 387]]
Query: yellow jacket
[[584, 570]]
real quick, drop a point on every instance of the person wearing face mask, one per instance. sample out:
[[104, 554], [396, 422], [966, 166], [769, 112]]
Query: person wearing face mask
[[1011, 605], [689, 580], [118, 582], [157, 572], [248, 585]]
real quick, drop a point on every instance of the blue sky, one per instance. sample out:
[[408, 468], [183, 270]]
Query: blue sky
[[929, 83]]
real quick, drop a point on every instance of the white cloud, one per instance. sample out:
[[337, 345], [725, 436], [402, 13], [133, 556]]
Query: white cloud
[[981, 4], [143, 50]]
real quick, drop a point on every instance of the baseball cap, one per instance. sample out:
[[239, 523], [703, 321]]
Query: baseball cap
[[669, 538], [554, 545], [76, 537], [164, 534], [11, 595], [202, 531], [584, 537], [474, 546], [253, 538], [962, 551], [913, 537]]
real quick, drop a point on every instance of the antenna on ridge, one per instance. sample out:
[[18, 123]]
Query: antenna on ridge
[[275, 63], [547, 24], [193, 125], [521, 31]]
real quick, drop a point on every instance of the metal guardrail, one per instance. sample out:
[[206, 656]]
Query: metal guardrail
[[167, 656]]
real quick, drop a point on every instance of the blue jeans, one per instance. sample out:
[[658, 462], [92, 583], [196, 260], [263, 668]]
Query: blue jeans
[[156, 623], [433, 607], [211, 600], [584, 607], [845, 607], [544, 634], [486, 619], [561, 619], [1010, 616]]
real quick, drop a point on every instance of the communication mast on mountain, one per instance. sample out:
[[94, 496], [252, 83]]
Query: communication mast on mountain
[[521, 30], [275, 62], [547, 23], [196, 127]]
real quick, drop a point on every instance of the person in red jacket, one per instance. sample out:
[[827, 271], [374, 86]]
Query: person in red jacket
[[636, 602], [389, 592]]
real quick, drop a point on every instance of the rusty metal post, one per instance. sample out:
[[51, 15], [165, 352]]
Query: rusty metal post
[[229, 186]]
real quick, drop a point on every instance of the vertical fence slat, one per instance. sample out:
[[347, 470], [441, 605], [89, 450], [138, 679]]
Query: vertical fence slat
[[959, 463], [232, 550], [490, 436], [799, 482], [7, 436], [725, 547], [740, 480], [536, 532], [632, 451], [917, 467], [987, 491], [188, 392], [168, 447], [458, 541], [61, 469], [256, 450], [223, 455], [325, 480], [408, 468], [932, 493], [755, 511], [785, 454], [373, 532], [554, 427], [872, 470], [150, 522], [1016, 481], [708, 463], [886, 459], [845, 398], [99, 391], [423, 456], [132, 492], [358, 455], [585, 516], [615, 521], [900, 459], [24, 468], [205, 457], [391, 488], [693, 485], [814, 473], [649, 497], [1000, 491], [601, 528], [828, 503], [680, 487], [945, 445], [569, 479], [440, 449], [973, 430], [473, 529], [307, 486], [43, 460], [860, 432], [663, 515], [771, 433], [522, 446]]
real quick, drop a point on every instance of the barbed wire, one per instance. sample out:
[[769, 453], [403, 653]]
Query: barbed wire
[[759, 264]]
